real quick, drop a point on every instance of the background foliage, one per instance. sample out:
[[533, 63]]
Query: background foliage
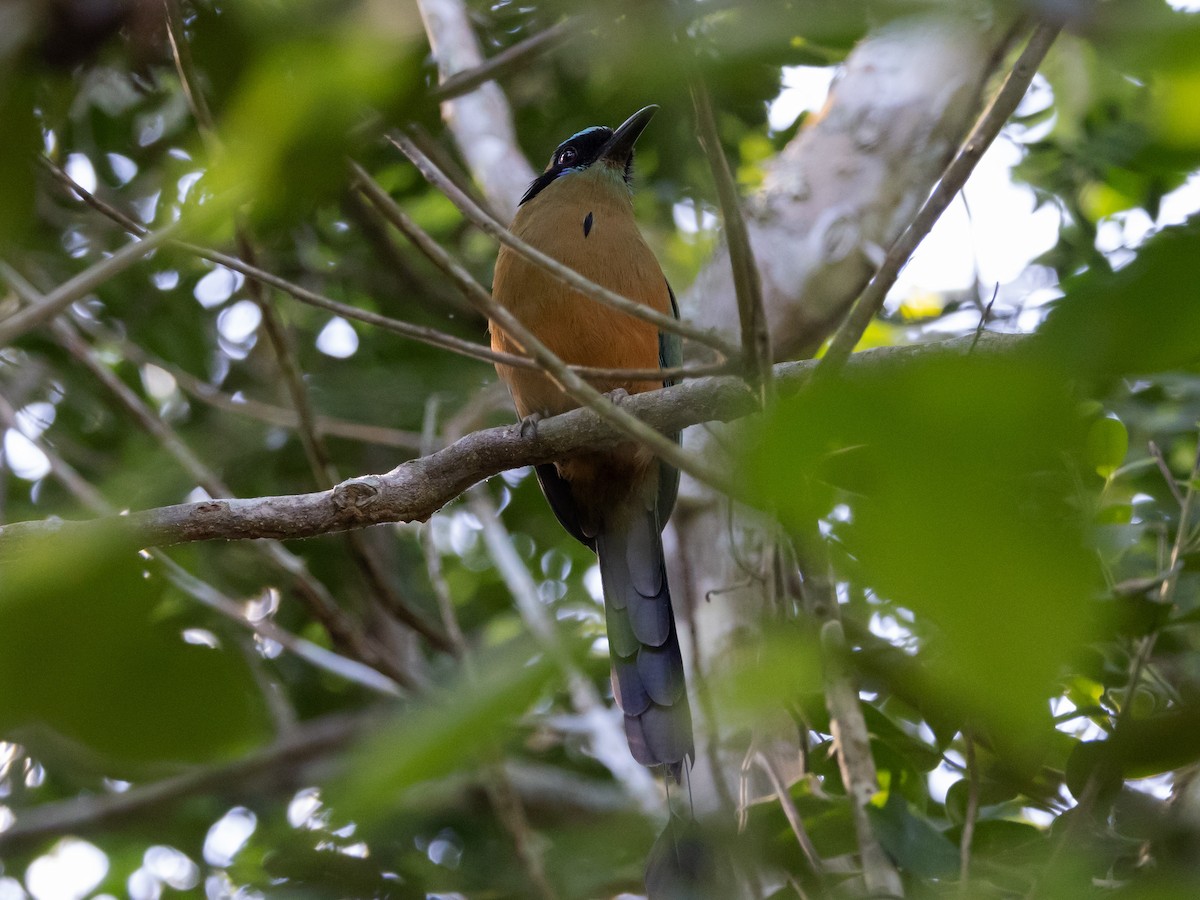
[[1010, 534]]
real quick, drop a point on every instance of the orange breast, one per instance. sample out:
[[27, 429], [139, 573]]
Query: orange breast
[[585, 221]]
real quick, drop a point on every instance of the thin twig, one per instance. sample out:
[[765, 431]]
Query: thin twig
[[504, 799], [315, 448], [282, 761], [481, 121], [1079, 815], [78, 287], [349, 669], [955, 176], [987, 310], [850, 735], [578, 389], [1141, 659], [422, 333], [507, 61], [1168, 476], [756, 338], [447, 163], [268, 413], [393, 263], [792, 814], [325, 473], [182, 53], [972, 814], [565, 274], [510, 810], [1166, 591], [433, 560], [853, 742]]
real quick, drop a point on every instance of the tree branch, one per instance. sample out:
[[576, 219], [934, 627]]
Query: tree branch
[[416, 489], [844, 188], [321, 603], [851, 738], [315, 448], [756, 340], [266, 412], [857, 766], [986, 130]]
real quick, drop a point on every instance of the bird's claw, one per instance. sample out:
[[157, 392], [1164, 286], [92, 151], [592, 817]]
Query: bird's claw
[[617, 396], [527, 427]]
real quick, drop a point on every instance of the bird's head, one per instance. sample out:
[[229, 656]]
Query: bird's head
[[595, 149]]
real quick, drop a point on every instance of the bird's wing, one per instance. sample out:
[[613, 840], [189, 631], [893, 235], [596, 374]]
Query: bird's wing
[[670, 353], [558, 495]]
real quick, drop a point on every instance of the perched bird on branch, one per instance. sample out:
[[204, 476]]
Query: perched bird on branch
[[580, 212]]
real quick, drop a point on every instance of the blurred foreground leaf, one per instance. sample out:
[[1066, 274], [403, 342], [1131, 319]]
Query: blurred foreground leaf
[[1143, 318], [454, 728], [84, 657], [783, 668], [685, 863], [294, 123], [955, 476]]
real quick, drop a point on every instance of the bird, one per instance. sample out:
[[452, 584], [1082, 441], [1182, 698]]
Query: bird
[[615, 501]]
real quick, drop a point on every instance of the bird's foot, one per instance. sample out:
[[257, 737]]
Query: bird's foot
[[528, 426], [617, 396]]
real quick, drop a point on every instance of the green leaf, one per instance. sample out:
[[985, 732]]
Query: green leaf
[[270, 146], [454, 728], [1140, 748], [991, 792], [1107, 444], [1140, 319], [912, 841], [1114, 513], [17, 150], [914, 751], [1005, 841]]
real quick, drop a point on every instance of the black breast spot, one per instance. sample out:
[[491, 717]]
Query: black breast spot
[[587, 224]]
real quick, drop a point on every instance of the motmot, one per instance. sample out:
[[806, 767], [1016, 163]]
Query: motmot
[[616, 501]]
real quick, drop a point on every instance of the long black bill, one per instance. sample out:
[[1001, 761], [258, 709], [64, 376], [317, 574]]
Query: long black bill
[[620, 146]]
